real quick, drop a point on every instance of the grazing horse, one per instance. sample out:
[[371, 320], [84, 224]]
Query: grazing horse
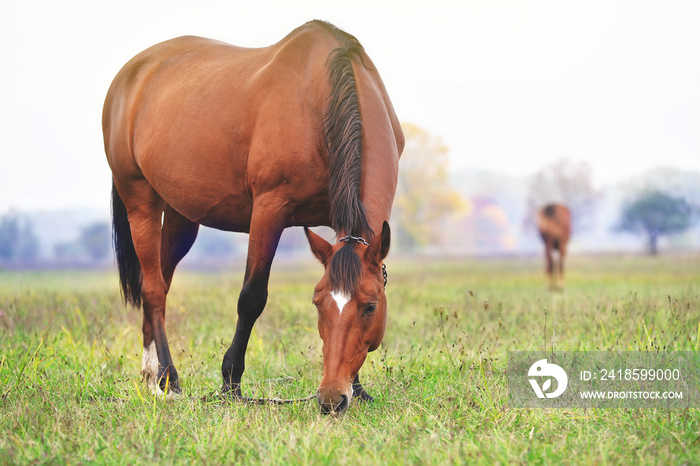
[[554, 224], [300, 133]]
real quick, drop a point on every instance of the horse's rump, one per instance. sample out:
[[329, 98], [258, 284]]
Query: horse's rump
[[553, 222]]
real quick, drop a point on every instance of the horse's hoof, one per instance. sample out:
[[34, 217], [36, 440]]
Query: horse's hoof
[[232, 392], [170, 388], [168, 394], [361, 394]]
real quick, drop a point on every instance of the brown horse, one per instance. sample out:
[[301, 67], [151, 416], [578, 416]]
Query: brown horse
[[554, 224], [301, 133]]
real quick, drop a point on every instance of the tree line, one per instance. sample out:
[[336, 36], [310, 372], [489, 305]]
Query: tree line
[[428, 213], [20, 245]]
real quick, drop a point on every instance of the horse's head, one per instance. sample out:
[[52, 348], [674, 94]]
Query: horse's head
[[351, 308]]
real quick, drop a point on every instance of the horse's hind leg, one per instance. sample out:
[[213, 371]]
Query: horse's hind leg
[[549, 253], [145, 209], [562, 255], [177, 238]]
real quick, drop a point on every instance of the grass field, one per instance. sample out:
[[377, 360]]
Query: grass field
[[71, 392]]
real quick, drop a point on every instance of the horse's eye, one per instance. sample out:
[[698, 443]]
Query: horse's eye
[[369, 309]]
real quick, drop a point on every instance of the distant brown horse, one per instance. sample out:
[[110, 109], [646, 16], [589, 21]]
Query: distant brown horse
[[554, 224], [301, 133]]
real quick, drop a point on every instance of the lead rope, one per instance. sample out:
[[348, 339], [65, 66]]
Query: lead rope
[[258, 401], [274, 401]]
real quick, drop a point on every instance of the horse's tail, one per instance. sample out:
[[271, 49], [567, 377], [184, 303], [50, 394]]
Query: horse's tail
[[127, 260], [343, 135]]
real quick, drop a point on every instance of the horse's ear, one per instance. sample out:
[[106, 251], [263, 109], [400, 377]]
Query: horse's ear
[[379, 247], [321, 248]]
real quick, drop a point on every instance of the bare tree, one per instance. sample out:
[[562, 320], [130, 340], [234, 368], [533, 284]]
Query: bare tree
[[564, 182]]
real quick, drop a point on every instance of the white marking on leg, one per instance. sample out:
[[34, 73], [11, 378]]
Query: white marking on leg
[[149, 369], [341, 299], [149, 366]]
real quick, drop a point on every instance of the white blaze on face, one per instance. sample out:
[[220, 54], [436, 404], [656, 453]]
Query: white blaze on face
[[341, 299]]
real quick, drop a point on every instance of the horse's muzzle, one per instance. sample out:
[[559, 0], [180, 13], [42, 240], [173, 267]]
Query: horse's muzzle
[[333, 404], [331, 407]]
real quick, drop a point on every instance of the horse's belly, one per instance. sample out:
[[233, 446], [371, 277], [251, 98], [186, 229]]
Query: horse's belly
[[230, 214], [216, 197]]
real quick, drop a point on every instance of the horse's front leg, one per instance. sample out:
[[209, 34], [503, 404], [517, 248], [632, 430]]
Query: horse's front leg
[[359, 392], [265, 231]]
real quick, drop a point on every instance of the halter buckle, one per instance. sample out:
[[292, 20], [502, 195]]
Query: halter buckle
[[353, 239]]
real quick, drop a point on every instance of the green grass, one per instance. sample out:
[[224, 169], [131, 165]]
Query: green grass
[[71, 392]]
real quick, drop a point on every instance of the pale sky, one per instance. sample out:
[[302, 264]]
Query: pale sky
[[510, 86]]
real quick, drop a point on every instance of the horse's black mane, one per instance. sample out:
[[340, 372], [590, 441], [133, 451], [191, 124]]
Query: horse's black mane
[[342, 124]]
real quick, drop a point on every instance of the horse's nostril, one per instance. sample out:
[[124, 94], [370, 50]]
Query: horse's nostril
[[342, 404], [327, 407]]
